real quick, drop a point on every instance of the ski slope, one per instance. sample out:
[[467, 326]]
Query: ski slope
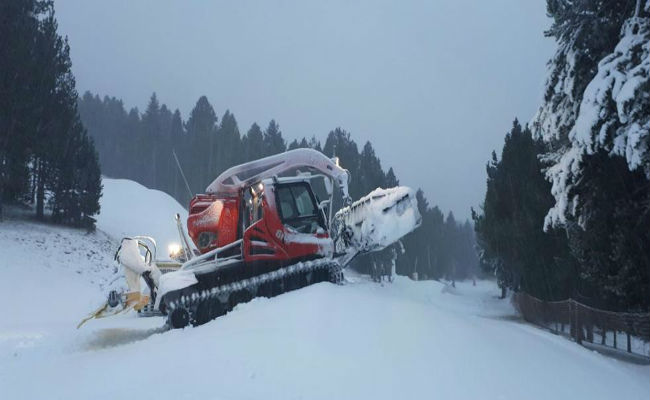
[[359, 340]]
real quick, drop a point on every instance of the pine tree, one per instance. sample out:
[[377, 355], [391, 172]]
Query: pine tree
[[611, 246], [371, 175], [229, 150], [19, 27], [593, 118], [467, 257], [77, 187], [273, 141], [149, 142], [90, 183], [391, 179], [449, 262], [253, 143], [39, 120], [57, 98], [602, 49], [510, 228], [294, 145], [201, 155], [163, 151], [178, 148], [132, 148], [314, 143]]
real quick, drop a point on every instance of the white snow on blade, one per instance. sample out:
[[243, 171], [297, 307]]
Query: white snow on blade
[[381, 217], [130, 209]]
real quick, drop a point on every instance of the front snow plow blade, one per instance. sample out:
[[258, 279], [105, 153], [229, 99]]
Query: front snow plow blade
[[377, 220]]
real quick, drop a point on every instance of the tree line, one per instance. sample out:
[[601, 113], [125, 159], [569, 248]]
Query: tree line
[[47, 159], [144, 147], [567, 207]]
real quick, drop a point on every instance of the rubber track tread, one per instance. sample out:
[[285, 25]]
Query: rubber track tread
[[192, 301]]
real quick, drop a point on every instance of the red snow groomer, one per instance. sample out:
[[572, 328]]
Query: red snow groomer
[[261, 230]]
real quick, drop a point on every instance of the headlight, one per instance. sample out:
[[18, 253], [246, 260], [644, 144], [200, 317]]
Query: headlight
[[174, 250], [205, 238]]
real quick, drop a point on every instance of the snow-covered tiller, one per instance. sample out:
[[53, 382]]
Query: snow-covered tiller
[[260, 230]]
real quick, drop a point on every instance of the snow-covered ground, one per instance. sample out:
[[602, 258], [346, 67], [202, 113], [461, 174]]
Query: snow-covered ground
[[359, 340]]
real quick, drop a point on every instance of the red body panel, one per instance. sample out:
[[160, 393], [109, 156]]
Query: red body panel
[[209, 214], [265, 239]]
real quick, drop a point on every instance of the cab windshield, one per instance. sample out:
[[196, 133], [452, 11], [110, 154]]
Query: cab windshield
[[298, 209]]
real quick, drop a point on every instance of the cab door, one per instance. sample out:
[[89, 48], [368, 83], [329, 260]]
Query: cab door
[[259, 243], [304, 229]]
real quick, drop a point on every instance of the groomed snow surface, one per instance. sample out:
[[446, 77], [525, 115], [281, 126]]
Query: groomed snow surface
[[356, 341]]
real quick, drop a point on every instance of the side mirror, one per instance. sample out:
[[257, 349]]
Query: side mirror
[[323, 207], [323, 204]]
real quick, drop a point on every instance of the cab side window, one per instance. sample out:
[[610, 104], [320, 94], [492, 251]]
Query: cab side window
[[298, 208], [287, 207]]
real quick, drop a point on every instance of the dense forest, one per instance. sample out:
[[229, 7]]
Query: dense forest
[[567, 207], [144, 147], [46, 158]]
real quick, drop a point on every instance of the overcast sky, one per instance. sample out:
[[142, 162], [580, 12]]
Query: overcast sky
[[434, 85]]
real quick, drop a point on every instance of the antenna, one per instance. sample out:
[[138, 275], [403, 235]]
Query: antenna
[[180, 169]]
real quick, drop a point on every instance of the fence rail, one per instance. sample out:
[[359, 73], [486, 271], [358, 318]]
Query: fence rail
[[628, 332]]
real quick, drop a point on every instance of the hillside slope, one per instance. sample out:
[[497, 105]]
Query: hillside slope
[[53, 274], [359, 340], [129, 209]]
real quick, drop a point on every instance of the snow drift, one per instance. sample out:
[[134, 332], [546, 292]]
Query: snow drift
[[130, 209]]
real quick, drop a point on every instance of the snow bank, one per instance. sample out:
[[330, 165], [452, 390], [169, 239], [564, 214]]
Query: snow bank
[[130, 209]]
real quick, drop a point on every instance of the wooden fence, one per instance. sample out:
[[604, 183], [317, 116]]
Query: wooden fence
[[623, 331]]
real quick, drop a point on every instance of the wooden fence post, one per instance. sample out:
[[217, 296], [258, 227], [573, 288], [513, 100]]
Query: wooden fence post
[[629, 342], [578, 324], [572, 323], [584, 322]]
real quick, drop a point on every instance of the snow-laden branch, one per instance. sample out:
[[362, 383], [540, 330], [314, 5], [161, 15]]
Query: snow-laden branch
[[614, 114]]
